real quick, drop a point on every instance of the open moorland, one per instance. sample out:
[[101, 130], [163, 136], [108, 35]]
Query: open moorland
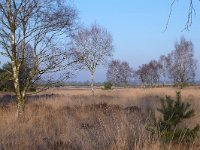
[[99, 75], [69, 118]]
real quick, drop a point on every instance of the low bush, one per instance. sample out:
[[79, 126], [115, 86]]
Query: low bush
[[107, 85]]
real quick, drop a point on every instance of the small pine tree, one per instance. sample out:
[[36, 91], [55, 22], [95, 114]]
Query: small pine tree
[[173, 113]]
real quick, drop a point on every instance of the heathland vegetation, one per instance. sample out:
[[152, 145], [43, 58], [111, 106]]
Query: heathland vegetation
[[124, 118]]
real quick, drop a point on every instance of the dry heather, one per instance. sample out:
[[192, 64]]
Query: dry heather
[[74, 120]]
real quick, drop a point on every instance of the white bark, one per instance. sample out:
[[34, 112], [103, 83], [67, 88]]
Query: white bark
[[92, 82]]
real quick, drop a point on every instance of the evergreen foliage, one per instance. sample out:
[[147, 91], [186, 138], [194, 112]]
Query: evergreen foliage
[[168, 127], [6, 83]]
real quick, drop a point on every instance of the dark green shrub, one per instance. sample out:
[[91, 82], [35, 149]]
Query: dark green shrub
[[173, 113], [7, 85], [107, 85]]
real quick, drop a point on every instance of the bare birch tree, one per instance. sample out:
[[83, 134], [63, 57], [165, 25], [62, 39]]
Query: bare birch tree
[[119, 73], [182, 63], [113, 70], [38, 23], [149, 73], [92, 47]]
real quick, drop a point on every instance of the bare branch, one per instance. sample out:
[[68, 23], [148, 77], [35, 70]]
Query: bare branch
[[190, 14], [91, 47]]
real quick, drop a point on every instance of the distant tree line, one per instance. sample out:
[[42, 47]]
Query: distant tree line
[[177, 68]]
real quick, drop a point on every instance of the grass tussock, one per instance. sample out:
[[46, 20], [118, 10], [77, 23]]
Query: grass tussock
[[112, 120]]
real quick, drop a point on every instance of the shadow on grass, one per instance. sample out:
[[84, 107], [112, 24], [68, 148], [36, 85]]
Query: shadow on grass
[[9, 98]]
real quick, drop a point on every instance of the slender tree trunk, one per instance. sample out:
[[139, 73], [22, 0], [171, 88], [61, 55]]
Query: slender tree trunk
[[20, 100], [92, 82], [19, 96], [20, 108]]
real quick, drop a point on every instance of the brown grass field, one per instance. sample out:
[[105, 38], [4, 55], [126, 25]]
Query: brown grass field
[[72, 119]]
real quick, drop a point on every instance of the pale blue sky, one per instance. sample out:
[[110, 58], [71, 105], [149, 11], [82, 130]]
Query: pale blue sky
[[137, 28]]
